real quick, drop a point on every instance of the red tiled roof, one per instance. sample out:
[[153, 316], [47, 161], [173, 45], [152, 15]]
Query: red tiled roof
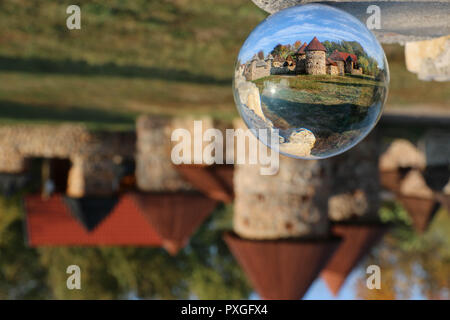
[[341, 56], [301, 50], [208, 180], [50, 223], [329, 61], [315, 45]]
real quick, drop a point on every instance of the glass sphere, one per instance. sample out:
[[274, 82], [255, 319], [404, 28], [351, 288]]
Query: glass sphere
[[314, 76]]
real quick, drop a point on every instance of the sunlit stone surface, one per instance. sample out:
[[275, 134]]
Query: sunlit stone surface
[[316, 74]]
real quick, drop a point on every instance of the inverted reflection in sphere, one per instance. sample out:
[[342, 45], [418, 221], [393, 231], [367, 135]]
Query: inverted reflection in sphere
[[316, 74]]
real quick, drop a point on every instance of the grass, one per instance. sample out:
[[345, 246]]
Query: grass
[[131, 57], [337, 109]]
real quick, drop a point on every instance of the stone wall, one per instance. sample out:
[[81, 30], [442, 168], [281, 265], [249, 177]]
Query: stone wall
[[357, 71], [279, 70], [155, 170], [315, 62], [92, 153], [341, 68], [333, 70], [300, 67], [256, 72]]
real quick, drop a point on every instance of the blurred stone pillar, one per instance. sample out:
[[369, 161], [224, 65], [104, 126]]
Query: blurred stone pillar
[[355, 189], [289, 204], [155, 170]]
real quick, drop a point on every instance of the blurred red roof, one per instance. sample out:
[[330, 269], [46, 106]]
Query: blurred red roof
[[358, 239], [282, 268], [138, 219], [50, 223]]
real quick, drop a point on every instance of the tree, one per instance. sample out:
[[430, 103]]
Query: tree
[[21, 274], [408, 260], [204, 269]]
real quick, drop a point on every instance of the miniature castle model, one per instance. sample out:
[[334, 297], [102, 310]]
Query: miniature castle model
[[309, 59]]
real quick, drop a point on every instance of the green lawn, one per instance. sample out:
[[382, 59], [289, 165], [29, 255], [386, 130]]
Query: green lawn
[[337, 109], [133, 57]]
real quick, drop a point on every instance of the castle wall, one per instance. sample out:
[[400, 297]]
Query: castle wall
[[256, 72], [333, 70], [357, 71], [260, 72], [279, 70], [300, 67], [341, 67], [315, 62]]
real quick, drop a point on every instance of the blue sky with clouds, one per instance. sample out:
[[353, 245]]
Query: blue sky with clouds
[[303, 23]]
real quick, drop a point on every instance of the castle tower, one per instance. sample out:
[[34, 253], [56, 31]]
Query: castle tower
[[315, 57], [301, 60]]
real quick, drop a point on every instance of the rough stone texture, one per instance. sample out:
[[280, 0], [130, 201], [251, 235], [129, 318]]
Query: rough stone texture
[[402, 154], [341, 67], [155, 170], [401, 21], [414, 185], [11, 161], [248, 93], [355, 186], [300, 143], [358, 71], [333, 70], [430, 59], [315, 62], [258, 69], [291, 203], [64, 140], [68, 141]]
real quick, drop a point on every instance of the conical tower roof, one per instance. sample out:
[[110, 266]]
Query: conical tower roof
[[174, 216], [207, 180], [315, 45], [301, 50], [420, 210], [281, 269], [357, 241], [391, 179]]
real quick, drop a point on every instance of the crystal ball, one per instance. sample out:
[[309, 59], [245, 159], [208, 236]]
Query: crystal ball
[[314, 77]]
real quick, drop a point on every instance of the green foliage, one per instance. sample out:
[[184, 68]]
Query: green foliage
[[408, 260], [21, 273], [205, 269]]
